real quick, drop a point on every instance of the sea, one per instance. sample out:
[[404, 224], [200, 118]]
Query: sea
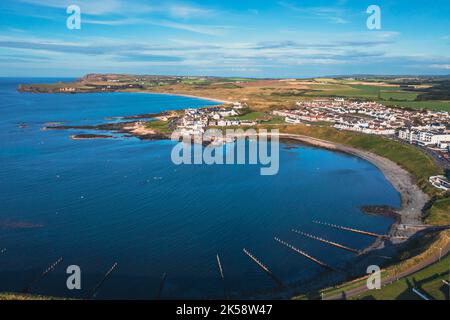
[[122, 202]]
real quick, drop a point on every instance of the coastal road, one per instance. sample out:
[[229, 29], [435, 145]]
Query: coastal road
[[362, 289], [437, 156]]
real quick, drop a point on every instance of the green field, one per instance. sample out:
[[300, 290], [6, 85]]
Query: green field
[[251, 116], [398, 95], [439, 213], [275, 120], [432, 105], [159, 126], [389, 96], [360, 91], [428, 281]]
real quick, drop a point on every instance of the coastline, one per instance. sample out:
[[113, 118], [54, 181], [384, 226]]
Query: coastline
[[412, 198], [220, 101], [408, 218]]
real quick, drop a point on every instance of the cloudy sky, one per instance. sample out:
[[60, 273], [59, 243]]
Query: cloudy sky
[[284, 38]]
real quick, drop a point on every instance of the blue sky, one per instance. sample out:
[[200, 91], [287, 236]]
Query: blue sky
[[224, 38]]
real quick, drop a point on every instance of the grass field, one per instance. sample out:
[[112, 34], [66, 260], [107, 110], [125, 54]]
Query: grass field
[[432, 105], [439, 213], [357, 90], [398, 95], [254, 115], [159, 126]]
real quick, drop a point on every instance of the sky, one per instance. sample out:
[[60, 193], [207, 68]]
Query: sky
[[249, 38]]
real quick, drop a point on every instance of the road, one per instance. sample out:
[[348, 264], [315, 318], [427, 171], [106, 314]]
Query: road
[[362, 289], [437, 156]]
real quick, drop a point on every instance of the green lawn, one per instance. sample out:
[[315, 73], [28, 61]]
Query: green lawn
[[275, 120], [254, 115], [428, 281], [389, 96], [159, 126], [439, 213]]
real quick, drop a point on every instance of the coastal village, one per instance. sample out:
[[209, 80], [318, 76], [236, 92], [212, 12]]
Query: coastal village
[[425, 128], [422, 127], [196, 121]]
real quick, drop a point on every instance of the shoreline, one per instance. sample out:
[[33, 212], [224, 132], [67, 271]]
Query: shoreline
[[413, 200], [183, 95]]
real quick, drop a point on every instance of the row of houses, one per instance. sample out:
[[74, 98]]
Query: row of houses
[[364, 127], [371, 118], [426, 136], [196, 121]]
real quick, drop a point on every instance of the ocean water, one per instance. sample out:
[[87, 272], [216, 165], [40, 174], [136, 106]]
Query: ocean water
[[97, 202]]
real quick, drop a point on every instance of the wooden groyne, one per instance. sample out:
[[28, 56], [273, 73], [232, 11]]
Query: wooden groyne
[[219, 264], [161, 285], [43, 274], [320, 263], [334, 244], [264, 268], [367, 233], [106, 276]]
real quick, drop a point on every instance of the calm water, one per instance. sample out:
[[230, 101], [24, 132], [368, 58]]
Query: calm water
[[96, 202]]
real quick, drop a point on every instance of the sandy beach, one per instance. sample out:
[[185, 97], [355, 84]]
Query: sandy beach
[[185, 95]]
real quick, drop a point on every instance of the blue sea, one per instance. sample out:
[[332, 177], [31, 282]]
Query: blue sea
[[99, 202]]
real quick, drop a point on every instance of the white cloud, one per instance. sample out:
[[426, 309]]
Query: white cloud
[[98, 7], [332, 14], [441, 66], [212, 30], [123, 7], [203, 29], [185, 11]]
